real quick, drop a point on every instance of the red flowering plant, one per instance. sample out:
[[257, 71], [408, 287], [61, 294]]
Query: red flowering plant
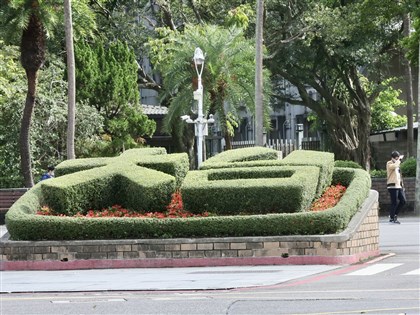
[[329, 198], [175, 209]]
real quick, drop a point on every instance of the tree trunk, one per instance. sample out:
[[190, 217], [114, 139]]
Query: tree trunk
[[25, 147], [409, 91], [228, 141], [71, 107], [259, 111], [32, 57], [417, 191]]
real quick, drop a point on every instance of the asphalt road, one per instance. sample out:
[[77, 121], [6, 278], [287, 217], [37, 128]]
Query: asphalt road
[[389, 285]]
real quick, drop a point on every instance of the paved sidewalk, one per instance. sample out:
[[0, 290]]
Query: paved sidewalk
[[145, 279]]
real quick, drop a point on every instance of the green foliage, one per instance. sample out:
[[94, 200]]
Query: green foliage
[[324, 160], [314, 50], [241, 155], [350, 164], [23, 224], [378, 173], [253, 190], [240, 16], [342, 176], [97, 183], [12, 95], [49, 123], [228, 75], [408, 167], [234, 158], [106, 77], [126, 129], [383, 109], [411, 44], [132, 187]]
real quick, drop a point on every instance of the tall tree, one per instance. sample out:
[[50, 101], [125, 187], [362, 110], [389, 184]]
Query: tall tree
[[107, 80], [48, 127], [409, 89], [31, 21], [228, 76], [71, 77], [28, 18], [311, 50], [134, 22]]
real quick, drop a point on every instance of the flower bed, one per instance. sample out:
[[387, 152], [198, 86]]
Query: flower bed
[[329, 198], [175, 209]]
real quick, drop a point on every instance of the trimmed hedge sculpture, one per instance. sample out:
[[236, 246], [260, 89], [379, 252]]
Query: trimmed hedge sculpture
[[121, 178], [250, 190]]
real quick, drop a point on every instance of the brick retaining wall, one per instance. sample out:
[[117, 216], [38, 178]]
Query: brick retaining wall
[[359, 241]]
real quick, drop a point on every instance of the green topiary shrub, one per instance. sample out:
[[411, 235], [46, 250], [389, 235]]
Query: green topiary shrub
[[408, 167], [100, 182], [241, 155], [23, 224], [347, 163], [77, 165], [323, 160], [131, 186], [250, 190]]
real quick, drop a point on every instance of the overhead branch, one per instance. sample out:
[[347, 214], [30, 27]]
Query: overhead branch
[[167, 14], [196, 13], [146, 81]]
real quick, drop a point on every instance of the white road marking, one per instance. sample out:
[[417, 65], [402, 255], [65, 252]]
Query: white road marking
[[372, 270], [412, 273]]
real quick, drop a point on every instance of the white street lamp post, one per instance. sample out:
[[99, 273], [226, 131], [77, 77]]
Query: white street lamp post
[[200, 122], [198, 95]]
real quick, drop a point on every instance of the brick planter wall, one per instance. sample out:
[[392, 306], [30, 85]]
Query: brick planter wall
[[359, 241], [379, 184]]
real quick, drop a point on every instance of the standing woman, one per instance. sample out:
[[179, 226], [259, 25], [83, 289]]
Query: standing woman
[[395, 186]]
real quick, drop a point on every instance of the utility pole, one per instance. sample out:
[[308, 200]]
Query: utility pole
[[71, 106], [259, 109]]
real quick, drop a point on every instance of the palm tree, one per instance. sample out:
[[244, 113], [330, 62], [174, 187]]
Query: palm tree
[[228, 76], [32, 21], [28, 17]]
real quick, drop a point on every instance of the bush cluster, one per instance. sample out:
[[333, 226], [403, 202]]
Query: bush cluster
[[323, 160], [239, 155], [23, 223], [251, 190], [408, 167], [139, 179], [347, 163]]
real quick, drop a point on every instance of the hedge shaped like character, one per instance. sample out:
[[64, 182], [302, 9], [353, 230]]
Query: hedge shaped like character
[[250, 190], [97, 183]]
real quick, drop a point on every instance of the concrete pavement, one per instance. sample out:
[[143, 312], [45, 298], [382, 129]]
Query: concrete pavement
[[145, 279]]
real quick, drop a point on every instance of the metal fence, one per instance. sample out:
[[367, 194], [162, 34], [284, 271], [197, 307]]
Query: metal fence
[[286, 146]]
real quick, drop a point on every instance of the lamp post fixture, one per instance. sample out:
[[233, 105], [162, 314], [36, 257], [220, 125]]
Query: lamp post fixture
[[201, 122]]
